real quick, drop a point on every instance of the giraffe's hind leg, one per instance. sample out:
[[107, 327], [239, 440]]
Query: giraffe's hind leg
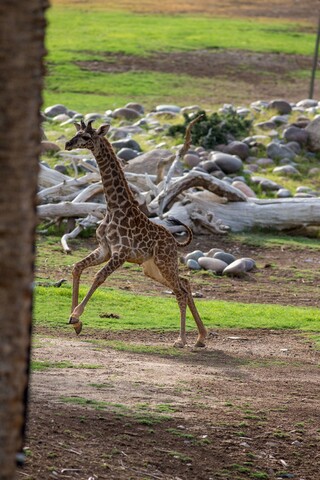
[[155, 269], [202, 331]]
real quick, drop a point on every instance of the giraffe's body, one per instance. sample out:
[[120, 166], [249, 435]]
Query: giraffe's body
[[127, 234]]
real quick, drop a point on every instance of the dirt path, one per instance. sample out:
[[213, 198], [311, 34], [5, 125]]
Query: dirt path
[[246, 407]]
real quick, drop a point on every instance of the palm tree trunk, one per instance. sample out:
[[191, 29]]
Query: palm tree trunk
[[22, 27]]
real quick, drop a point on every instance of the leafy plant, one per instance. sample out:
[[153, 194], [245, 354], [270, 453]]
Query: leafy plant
[[214, 129]]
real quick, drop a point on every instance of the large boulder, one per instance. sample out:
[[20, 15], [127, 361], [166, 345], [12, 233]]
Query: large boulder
[[227, 163], [313, 130], [55, 110], [281, 106], [295, 134], [148, 162], [240, 149]]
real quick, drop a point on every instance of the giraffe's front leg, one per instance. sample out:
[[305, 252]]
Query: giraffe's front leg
[[115, 262]]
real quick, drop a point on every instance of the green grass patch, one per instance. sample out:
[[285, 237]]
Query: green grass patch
[[92, 33], [265, 239], [39, 365], [138, 312]]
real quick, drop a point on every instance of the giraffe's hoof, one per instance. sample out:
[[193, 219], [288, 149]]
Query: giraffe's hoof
[[199, 344], [179, 344], [73, 320], [77, 327]]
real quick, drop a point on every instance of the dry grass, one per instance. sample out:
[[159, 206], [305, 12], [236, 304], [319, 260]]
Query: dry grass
[[282, 9]]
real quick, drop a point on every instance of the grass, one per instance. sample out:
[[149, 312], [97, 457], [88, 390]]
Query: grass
[[40, 365], [141, 312], [92, 33], [265, 239]]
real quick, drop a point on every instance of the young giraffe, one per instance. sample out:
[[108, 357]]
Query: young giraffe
[[127, 234]]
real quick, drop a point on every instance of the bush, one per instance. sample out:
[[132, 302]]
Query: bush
[[213, 130]]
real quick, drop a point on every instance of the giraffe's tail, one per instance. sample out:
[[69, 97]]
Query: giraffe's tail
[[175, 221]]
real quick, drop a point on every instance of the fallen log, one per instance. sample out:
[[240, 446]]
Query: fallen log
[[70, 209], [273, 214]]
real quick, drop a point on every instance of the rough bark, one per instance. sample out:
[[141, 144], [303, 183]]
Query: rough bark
[[22, 28]]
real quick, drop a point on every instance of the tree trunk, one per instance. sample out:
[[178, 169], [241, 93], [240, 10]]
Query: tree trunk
[[22, 27]]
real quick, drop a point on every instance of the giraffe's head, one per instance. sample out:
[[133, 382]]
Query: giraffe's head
[[86, 136]]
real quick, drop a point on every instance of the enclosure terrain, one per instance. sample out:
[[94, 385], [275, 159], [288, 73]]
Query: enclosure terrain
[[125, 405]]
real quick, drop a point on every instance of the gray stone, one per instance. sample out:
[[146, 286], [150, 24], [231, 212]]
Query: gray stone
[[126, 143], [190, 109], [168, 108], [307, 103], [243, 112], [237, 267], [49, 147], [244, 188], [193, 264], [281, 106], [256, 140], [313, 172], [213, 264], [126, 113], [148, 162], [191, 160], [287, 170], [295, 134], [62, 117], [265, 162], [195, 255], [135, 106], [225, 257], [305, 195], [269, 185], [209, 166], [268, 125], [250, 263], [61, 168], [304, 189], [240, 149], [283, 193], [280, 119], [211, 253], [227, 163], [93, 116], [295, 147], [277, 151], [55, 110], [313, 130], [127, 154]]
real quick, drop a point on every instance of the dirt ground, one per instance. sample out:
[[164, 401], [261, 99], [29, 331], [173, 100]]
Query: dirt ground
[[246, 407]]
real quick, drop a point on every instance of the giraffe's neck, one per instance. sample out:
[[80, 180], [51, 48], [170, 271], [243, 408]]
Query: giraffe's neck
[[116, 189]]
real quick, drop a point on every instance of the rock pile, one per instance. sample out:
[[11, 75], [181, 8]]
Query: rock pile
[[219, 262]]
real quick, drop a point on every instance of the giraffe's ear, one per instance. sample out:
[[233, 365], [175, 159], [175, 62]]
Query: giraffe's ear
[[78, 126], [103, 130]]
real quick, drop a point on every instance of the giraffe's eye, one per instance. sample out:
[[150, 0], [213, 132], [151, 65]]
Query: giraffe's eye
[[86, 136]]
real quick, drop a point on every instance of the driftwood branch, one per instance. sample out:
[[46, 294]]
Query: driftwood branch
[[70, 209], [197, 179]]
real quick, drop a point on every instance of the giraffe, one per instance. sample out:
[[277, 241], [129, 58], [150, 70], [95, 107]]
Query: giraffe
[[126, 234]]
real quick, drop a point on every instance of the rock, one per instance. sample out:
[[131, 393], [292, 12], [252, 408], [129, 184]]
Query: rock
[[213, 264], [126, 113], [295, 147], [243, 112], [55, 110], [244, 188], [279, 119], [62, 117], [211, 253], [193, 264], [313, 130], [225, 257], [227, 163], [209, 166], [93, 116], [61, 168], [240, 149], [283, 193], [304, 195], [303, 189], [49, 147], [168, 108], [287, 170], [190, 109], [277, 151], [281, 106], [268, 125], [313, 172], [126, 143], [127, 154], [191, 160], [195, 255], [295, 134], [265, 162], [307, 103], [135, 106], [148, 162], [250, 263], [269, 185], [237, 267]]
